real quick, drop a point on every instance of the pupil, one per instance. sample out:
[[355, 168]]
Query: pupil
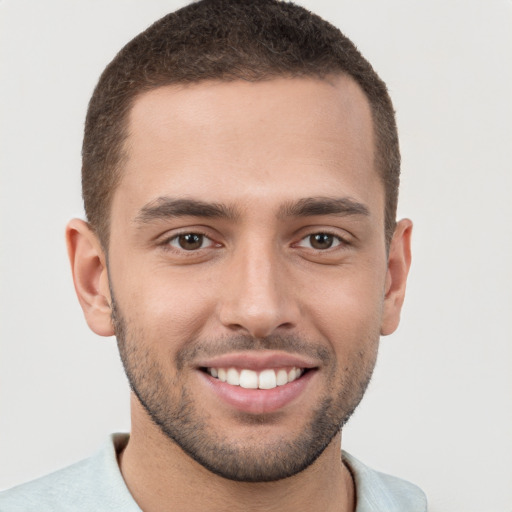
[[190, 241], [321, 241]]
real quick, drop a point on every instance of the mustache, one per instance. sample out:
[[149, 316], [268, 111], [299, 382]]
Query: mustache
[[240, 343], [197, 348]]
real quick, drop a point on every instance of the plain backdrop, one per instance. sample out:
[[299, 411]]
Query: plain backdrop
[[439, 409]]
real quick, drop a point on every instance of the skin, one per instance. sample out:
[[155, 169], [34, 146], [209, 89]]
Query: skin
[[258, 149]]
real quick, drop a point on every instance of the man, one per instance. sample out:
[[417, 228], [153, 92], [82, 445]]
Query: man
[[240, 180]]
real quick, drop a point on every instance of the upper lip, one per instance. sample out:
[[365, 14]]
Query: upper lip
[[256, 361]]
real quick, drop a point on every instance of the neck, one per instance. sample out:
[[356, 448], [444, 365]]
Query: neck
[[161, 477]]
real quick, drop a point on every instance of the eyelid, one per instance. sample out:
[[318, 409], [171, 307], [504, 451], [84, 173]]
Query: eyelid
[[165, 241], [338, 238], [176, 238]]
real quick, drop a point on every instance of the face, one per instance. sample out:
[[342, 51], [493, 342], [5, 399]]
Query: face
[[248, 269]]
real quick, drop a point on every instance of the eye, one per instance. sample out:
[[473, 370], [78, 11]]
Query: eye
[[320, 241], [190, 241]]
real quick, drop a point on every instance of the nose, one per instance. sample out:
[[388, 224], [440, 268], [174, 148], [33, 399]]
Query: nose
[[259, 297]]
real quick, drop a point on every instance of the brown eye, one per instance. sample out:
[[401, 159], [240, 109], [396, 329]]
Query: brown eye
[[190, 241], [321, 240]]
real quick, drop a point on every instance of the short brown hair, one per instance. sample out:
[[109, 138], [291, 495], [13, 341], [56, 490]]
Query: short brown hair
[[224, 40]]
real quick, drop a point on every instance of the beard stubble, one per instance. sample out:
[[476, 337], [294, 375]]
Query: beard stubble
[[188, 426]]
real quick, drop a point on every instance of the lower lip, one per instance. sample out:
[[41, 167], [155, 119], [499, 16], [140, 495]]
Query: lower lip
[[258, 401]]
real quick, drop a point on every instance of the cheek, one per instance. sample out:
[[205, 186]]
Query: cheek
[[349, 311], [169, 309]]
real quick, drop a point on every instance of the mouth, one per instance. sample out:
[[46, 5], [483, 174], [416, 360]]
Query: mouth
[[258, 383], [267, 378]]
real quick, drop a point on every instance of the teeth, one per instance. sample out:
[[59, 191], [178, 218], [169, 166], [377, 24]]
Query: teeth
[[281, 379], [249, 379], [233, 377], [267, 379]]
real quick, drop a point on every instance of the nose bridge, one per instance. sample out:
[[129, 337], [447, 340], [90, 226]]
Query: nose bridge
[[258, 297]]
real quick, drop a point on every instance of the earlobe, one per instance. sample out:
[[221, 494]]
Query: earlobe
[[399, 262], [90, 276]]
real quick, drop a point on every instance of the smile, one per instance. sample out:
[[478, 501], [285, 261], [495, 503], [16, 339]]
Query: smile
[[268, 378]]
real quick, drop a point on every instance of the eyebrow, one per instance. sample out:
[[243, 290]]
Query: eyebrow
[[167, 208], [311, 206]]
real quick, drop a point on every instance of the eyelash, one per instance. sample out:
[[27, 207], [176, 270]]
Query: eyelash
[[167, 243], [338, 241]]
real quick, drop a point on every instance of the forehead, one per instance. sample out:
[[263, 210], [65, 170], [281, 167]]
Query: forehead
[[276, 140]]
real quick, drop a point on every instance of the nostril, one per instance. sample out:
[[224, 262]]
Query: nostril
[[257, 316], [236, 327]]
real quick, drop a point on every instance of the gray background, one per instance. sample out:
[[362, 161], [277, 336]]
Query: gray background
[[439, 410]]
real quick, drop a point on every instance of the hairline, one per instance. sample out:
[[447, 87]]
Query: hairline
[[103, 231]]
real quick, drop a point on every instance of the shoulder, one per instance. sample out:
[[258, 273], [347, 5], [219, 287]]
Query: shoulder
[[377, 491], [92, 484]]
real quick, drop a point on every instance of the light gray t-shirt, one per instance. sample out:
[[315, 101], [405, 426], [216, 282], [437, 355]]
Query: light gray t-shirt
[[96, 485]]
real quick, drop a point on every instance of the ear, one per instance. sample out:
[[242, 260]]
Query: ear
[[399, 262], [88, 265]]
